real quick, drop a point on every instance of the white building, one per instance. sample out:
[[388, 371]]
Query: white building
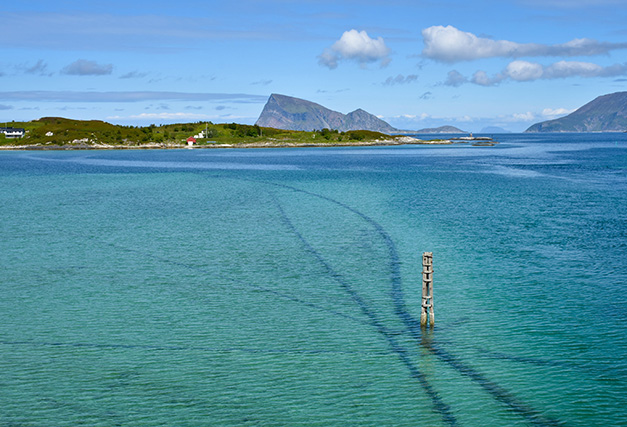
[[10, 132]]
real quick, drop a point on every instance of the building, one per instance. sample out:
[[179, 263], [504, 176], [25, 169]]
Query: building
[[191, 140], [10, 132]]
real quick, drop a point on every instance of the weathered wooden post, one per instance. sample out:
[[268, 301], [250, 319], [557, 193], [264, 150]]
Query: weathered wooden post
[[427, 290]]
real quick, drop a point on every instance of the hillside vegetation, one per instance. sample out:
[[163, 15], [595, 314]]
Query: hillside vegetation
[[52, 132]]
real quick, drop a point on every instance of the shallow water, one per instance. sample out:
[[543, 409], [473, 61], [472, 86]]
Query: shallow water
[[282, 286]]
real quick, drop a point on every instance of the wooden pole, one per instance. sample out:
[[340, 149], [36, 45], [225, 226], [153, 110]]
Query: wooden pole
[[426, 312]]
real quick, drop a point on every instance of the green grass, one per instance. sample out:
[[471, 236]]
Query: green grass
[[57, 131]]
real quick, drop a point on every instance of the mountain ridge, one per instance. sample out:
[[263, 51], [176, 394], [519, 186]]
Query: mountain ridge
[[286, 112], [605, 113]]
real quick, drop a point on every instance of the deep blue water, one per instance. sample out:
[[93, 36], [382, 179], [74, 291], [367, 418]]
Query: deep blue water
[[282, 286]]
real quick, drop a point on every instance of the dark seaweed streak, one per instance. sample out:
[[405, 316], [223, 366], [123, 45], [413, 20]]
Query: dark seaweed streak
[[413, 326], [440, 406]]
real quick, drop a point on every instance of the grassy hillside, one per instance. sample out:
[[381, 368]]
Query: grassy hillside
[[60, 132]]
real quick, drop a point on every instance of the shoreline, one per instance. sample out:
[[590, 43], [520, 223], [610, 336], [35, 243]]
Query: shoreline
[[405, 140]]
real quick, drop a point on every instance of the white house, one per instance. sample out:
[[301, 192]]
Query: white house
[[10, 132]]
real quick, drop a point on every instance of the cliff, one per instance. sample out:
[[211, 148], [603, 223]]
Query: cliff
[[286, 112]]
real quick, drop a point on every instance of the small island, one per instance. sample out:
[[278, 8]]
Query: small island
[[56, 133]]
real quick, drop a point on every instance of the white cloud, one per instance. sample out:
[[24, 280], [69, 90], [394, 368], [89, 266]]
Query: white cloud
[[523, 117], [555, 112], [177, 118], [355, 46], [412, 117], [527, 117], [481, 78], [448, 44], [428, 117], [83, 67], [165, 116], [524, 71], [565, 69]]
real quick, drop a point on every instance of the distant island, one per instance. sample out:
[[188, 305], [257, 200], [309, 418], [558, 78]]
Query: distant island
[[54, 133], [607, 113], [442, 129], [494, 129], [289, 113]]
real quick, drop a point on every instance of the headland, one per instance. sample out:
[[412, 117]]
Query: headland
[[55, 133]]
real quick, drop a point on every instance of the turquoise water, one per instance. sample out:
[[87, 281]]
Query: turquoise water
[[282, 286]]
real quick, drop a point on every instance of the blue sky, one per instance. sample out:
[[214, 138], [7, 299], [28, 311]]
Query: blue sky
[[413, 63]]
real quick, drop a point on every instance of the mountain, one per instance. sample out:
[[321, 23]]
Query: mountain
[[442, 129], [604, 114], [286, 112]]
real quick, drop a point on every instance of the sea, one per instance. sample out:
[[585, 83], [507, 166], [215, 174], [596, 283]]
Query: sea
[[282, 286]]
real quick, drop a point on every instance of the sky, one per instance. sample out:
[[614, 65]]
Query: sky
[[412, 63]]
